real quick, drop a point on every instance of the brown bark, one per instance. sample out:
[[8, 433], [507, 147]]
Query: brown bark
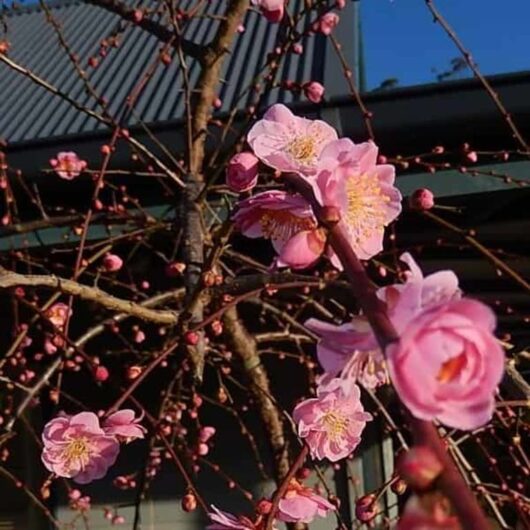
[[244, 346]]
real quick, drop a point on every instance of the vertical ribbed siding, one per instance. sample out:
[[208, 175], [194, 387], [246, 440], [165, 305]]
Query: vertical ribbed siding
[[29, 112]]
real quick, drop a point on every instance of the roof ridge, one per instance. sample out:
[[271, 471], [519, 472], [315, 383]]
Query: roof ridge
[[21, 9]]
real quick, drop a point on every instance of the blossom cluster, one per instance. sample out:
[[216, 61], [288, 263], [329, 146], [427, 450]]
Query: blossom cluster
[[78, 447], [446, 363]]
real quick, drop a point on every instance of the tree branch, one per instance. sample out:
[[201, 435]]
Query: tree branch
[[161, 32], [244, 346], [85, 292]]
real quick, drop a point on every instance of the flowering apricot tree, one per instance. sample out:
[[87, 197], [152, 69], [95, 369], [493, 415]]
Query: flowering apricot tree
[[116, 341]]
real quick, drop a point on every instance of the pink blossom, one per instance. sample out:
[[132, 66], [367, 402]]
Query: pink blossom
[[303, 249], [124, 425], [351, 349], [242, 172], [68, 165], [302, 504], [289, 143], [332, 422], [326, 24], [57, 314], [76, 447], [314, 91], [350, 180], [272, 10], [447, 364], [112, 263], [274, 215]]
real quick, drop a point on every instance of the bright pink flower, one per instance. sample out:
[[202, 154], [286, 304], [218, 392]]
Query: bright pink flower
[[124, 425], [77, 447], [289, 143], [206, 433], [447, 364], [350, 180], [326, 24], [302, 504], [302, 250], [274, 215], [314, 91], [68, 165], [242, 172], [272, 10], [112, 263], [332, 422], [57, 314]]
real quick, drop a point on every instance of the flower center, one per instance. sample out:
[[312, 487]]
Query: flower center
[[335, 423], [365, 211], [451, 368], [77, 449], [282, 225], [303, 149]]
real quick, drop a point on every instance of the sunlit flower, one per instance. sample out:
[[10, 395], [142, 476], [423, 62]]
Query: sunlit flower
[[350, 180], [289, 143], [77, 447], [302, 504], [332, 423], [314, 91], [227, 521], [68, 165], [447, 364], [303, 249]]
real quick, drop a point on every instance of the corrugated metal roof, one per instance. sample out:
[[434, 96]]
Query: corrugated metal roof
[[30, 112]]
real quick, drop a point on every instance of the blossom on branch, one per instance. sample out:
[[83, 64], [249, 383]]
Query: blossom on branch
[[68, 165], [332, 423], [77, 447], [348, 178], [242, 172], [287, 142], [226, 521], [447, 364]]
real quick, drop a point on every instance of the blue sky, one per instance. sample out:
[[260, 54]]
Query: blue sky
[[400, 39]]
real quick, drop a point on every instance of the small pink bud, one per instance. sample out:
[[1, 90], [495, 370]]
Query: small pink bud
[[217, 327], [438, 150], [241, 28], [340, 4], [112, 263], [326, 24], [118, 519], [74, 495], [242, 172], [298, 48], [472, 156], [419, 467], [366, 508], [217, 103], [189, 502], [138, 15], [192, 338], [175, 268], [139, 337], [105, 149], [203, 449], [422, 199], [133, 372], [206, 433], [101, 373], [314, 91]]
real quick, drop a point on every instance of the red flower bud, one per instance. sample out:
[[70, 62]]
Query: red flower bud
[[189, 502]]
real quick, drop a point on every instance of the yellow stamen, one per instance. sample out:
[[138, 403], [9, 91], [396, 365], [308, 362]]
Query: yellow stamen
[[77, 449], [336, 423], [303, 149], [365, 212], [282, 225]]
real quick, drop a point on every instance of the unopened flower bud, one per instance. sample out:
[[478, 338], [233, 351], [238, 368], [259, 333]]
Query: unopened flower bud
[[419, 467]]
